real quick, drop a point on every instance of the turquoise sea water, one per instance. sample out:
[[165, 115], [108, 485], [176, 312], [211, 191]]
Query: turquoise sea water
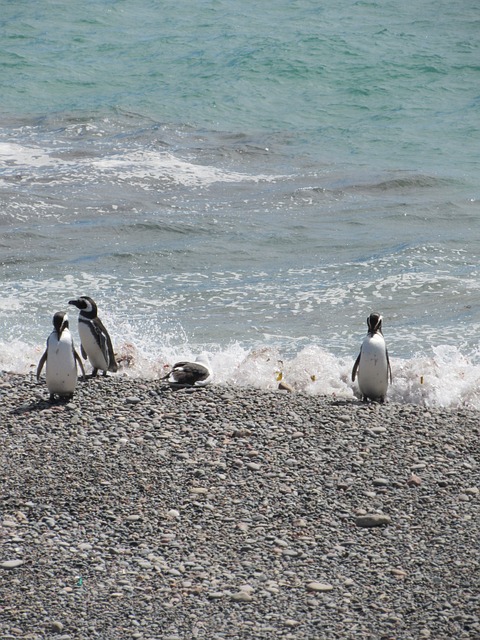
[[247, 180]]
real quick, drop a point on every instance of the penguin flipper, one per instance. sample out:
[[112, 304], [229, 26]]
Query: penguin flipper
[[389, 368], [107, 346], [79, 360], [355, 366], [43, 359], [113, 367]]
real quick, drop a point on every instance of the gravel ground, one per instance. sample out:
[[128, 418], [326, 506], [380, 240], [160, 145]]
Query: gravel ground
[[137, 511]]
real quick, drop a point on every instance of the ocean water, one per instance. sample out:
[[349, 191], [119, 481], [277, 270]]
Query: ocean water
[[246, 181]]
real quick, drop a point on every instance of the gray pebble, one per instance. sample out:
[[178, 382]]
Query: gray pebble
[[372, 520], [380, 482], [319, 586], [11, 564]]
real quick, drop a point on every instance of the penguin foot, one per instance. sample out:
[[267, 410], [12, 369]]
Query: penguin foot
[[94, 373]]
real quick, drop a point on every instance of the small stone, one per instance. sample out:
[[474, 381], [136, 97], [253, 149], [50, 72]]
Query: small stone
[[370, 520], [21, 517], [132, 400], [319, 586], [284, 386], [399, 573], [56, 626], [380, 482], [253, 466], [291, 623], [11, 564], [247, 588], [414, 481], [300, 522], [472, 491], [9, 523], [242, 596], [378, 430], [241, 433], [199, 490]]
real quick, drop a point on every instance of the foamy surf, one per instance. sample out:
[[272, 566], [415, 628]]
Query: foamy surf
[[446, 378], [138, 166]]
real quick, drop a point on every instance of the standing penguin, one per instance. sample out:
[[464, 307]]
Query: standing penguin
[[61, 359], [373, 364], [96, 343]]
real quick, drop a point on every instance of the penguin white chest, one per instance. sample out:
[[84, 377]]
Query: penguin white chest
[[61, 368], [373, 367], [92, 348]]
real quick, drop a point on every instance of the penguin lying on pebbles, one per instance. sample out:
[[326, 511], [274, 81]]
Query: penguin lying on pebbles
[[195, 374], [61, 360], [373, 364], [96, 342]]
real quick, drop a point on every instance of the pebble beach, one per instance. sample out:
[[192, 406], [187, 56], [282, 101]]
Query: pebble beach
[[137, 511]]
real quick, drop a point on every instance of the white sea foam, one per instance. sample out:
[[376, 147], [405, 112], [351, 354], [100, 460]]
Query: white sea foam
[[165, 165], [141, 166], [14, 156], [445, 378]]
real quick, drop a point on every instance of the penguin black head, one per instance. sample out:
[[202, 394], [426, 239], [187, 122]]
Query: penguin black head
[[60, 322], [374, 322], [86, 305]]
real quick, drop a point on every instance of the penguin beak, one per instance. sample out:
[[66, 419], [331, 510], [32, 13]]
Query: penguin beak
[[74, 302]]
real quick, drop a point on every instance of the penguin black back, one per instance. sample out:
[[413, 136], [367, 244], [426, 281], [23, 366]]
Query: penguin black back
[[96, 341]]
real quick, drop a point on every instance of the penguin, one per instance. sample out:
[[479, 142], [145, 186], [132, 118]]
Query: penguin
[[95, 340], [193, 374], [373, 363], [61, 359]]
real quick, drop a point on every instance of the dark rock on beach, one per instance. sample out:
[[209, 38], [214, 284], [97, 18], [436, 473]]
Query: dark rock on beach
[[138, 511]]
